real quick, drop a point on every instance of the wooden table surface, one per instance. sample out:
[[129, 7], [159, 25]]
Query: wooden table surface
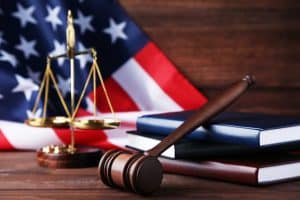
[[21, 178]]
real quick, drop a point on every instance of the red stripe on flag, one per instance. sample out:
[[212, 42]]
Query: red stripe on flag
[[120, 100], [158, 66], [96, 138], [4, 143]]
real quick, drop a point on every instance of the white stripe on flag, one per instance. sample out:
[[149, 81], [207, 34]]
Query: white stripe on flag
[[21, 136], [144, 91]]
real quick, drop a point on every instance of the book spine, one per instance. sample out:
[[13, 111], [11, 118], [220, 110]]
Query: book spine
[[212, 170]]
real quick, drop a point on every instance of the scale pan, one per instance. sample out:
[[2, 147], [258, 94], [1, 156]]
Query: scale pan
[[58, 121], [96, 123]]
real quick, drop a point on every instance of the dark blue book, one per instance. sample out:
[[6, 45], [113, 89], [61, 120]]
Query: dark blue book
[[187, 149], [256, 130], [195, 149]]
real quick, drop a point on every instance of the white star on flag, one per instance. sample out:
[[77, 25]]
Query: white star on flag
[[84, 22], [83, 59], [10, 58], [27, 47], [26, 86], [53, 17], [1, 12], [64, 85], [116, 30], [25, 15], [58, 49], [1, 96]]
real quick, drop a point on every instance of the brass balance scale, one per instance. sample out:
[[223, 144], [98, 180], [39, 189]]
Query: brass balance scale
[[71, 156]]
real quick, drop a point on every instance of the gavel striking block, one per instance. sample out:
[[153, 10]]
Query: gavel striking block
[[142, 172]]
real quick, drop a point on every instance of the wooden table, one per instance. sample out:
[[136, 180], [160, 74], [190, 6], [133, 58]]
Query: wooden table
[[21, 178]]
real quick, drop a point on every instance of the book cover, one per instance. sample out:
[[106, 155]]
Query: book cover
[[256, 130], [187, 149], [256, 170]]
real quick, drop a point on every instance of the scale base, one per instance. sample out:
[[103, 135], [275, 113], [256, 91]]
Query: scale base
[[62, 156]]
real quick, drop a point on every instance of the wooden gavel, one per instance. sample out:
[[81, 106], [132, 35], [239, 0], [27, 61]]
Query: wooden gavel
[[142, 172]]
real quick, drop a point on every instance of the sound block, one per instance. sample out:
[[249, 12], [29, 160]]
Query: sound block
[[80, 158]]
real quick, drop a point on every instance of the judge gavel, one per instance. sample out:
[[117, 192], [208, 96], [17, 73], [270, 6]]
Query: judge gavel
[[142, 172]]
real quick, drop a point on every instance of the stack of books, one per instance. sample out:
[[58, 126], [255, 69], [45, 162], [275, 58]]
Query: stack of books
[[245, 148]]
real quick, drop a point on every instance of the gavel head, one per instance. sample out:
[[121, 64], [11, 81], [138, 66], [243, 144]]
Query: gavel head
[[135, 172]]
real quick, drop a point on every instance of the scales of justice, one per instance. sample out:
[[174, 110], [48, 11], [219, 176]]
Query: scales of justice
[[71, 156]]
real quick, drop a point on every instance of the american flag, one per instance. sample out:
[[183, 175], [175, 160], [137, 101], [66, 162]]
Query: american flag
[[138, 76]]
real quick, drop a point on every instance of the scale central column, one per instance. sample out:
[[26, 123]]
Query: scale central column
[[70, 38]]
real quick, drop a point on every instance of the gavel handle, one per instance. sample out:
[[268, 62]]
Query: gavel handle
[[209, 110]]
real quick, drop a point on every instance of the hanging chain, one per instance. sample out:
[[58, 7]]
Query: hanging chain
[[37, 100], [59, 93], [102, 83], [45, 85], [83, 92]]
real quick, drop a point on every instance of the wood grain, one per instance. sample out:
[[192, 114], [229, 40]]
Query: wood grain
[[22, 178], [216, 42]]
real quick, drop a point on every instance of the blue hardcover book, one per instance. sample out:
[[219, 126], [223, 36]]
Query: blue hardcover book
[[256, 130]]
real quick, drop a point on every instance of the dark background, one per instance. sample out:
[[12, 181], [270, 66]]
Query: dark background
[[214, 43]]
